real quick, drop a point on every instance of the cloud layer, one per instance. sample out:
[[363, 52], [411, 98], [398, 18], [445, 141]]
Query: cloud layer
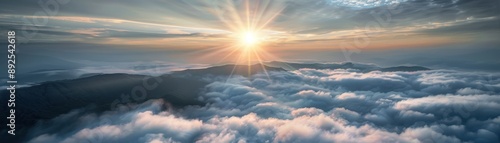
[[305, 105]]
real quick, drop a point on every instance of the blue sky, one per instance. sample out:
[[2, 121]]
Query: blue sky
[[385, 32]]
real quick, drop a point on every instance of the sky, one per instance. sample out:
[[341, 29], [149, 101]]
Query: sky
[[453, 34]]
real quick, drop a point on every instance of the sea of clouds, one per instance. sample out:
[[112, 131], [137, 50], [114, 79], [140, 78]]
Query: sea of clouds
[[305, 105]]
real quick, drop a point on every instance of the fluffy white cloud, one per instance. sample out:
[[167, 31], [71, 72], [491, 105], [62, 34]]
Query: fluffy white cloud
[[309, 105]]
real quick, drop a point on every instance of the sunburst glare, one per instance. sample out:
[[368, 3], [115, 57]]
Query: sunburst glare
[[250, 39], [249, 24]]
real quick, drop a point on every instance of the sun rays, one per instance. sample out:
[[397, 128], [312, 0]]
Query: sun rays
[[248, 22]]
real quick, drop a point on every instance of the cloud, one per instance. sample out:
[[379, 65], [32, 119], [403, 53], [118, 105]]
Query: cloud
[[468, 91], [53, 69], [306, 105], [297, 16], [361, 4]]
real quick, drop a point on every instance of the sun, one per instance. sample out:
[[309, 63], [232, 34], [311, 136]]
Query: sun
[[250, 39]]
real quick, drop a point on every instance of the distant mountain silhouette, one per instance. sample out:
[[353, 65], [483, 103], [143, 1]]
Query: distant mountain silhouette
[[223, 70], [347, 65]]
